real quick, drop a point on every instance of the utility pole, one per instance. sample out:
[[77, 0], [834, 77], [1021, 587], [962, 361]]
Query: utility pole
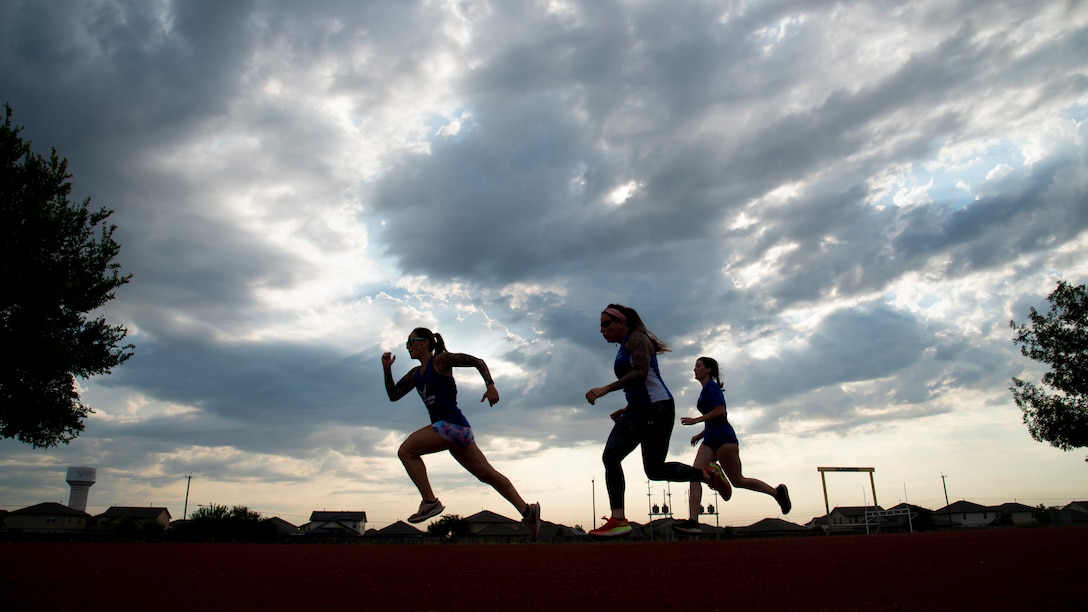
[[185, 512], [947, 506], [593, 488], [907, 502]]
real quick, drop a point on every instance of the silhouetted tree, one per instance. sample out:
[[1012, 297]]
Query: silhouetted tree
[[211, 512], [53, 271], [449, 526], [216, 522], [1059, 339], [1042, 514]]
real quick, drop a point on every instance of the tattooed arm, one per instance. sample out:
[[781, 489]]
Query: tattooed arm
[[445, 362], [399, 389], [640, 347]]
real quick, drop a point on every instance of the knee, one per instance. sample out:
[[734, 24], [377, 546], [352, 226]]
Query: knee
[[404, 453], [655, 471]]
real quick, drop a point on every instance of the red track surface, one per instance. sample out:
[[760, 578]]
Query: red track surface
[[1006, 569]]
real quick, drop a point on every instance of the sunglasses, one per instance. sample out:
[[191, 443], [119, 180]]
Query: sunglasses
[[411, 340], [605, 324]]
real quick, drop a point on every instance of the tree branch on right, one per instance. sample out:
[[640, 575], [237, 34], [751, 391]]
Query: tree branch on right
[[1057, 410]]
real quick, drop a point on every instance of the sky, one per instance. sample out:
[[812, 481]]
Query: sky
[[844, 203]]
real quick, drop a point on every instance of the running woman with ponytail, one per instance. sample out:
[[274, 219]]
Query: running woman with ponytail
[[449, 429], [719, 444], [647, 419]]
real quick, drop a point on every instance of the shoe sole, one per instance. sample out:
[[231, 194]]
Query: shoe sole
[[612, 535], [609, 536], [728, 493], [789, 504], [430, 513]]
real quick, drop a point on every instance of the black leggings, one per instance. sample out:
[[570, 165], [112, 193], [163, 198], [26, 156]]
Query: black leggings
[[650, 426]]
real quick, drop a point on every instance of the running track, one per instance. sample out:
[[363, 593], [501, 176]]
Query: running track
[[992, 569]]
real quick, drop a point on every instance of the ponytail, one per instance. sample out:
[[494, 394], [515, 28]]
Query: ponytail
[[634, 322], [435, 343]]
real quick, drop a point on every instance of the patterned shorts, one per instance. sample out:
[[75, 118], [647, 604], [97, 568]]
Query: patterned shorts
[[454, 434]]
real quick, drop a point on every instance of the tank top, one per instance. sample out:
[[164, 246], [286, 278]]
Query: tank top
[[439, 394]]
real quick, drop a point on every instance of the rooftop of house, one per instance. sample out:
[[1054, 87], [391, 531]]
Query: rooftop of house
[[134, 512], [338, 515], [48, 508]]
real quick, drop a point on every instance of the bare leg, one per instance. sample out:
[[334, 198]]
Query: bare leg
[[703, 457], [473, 460], [729, 458], [423, 441]]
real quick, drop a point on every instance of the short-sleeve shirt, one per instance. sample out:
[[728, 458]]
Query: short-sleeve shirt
[[642, 393], [716, 432]]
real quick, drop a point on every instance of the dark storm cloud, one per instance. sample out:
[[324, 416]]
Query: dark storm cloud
[[514, 165], [142, 72], [990, 231], [187, 266], [873, 247], [850, 345], [260, 394]]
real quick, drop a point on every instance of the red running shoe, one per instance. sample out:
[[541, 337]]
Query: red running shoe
[[613, 528]]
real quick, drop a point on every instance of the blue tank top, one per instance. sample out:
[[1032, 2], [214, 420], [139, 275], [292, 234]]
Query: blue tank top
[[439, 394], [642, 393]]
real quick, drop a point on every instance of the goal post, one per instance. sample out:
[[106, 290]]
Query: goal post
[[823, 480]]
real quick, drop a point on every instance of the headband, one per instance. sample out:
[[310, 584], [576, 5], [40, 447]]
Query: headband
[[615, 313]]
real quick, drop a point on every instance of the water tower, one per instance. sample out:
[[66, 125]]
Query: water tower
[[80, 479]]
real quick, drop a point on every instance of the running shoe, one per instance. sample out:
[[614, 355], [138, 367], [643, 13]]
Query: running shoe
[[688, 527], [613, 528], [532, 520], [782, 496], [718, 481], [426, 510]]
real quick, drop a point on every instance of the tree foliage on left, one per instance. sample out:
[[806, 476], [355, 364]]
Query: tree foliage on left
[[56, 267]]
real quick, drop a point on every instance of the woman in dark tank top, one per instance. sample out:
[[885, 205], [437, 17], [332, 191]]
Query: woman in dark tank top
[[449, 429]]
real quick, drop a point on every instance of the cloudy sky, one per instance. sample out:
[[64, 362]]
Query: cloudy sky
[[843, 202]]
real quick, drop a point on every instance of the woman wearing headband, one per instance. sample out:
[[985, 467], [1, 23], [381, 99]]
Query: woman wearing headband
[[449, 430], [646, 420], [719, 444]]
